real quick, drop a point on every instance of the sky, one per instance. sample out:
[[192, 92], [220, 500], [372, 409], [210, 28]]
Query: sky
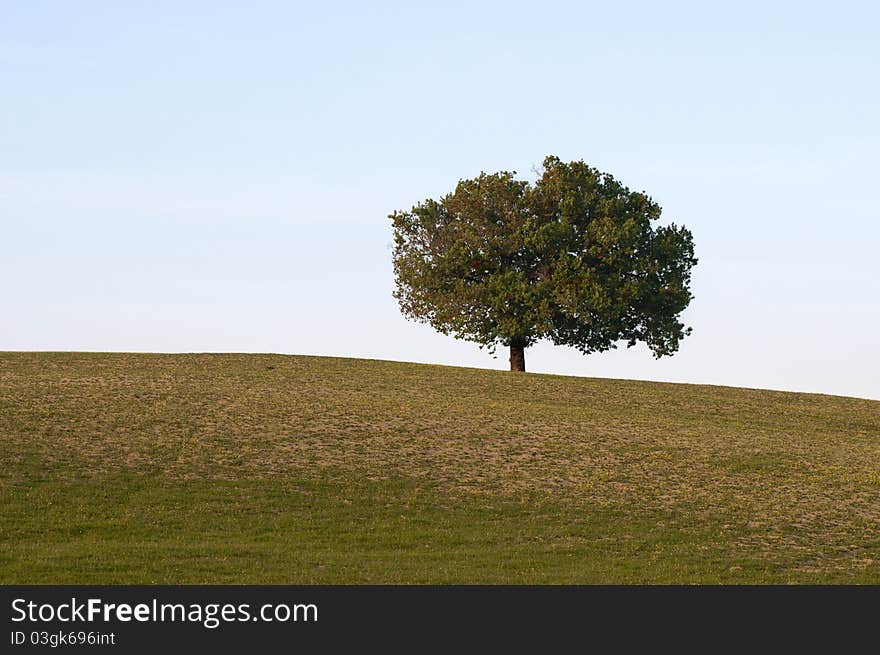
[[217, 176]]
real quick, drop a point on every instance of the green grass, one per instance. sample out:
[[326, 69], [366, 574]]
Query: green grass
[[125, 468]]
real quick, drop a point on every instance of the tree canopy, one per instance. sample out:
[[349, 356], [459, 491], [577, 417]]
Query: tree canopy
[[573, 258]]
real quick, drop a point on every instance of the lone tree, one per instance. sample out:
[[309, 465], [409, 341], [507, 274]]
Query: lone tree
[[573, 259]]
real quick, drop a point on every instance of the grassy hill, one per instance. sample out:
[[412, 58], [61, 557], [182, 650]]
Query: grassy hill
[[128, 468]]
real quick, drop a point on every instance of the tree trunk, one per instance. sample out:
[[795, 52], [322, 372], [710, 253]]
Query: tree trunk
[[517, 358]]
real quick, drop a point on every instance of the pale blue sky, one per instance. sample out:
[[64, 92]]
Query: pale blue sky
[[207, 176]]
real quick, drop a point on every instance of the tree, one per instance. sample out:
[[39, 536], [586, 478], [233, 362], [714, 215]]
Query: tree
[[573, 258]]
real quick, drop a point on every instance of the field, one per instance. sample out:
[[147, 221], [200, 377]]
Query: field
[[135, 468]]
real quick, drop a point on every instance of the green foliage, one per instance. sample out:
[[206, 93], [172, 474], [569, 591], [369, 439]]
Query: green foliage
[[573, 258]]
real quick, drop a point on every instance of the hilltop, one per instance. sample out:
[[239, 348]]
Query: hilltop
[[141, 468]]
